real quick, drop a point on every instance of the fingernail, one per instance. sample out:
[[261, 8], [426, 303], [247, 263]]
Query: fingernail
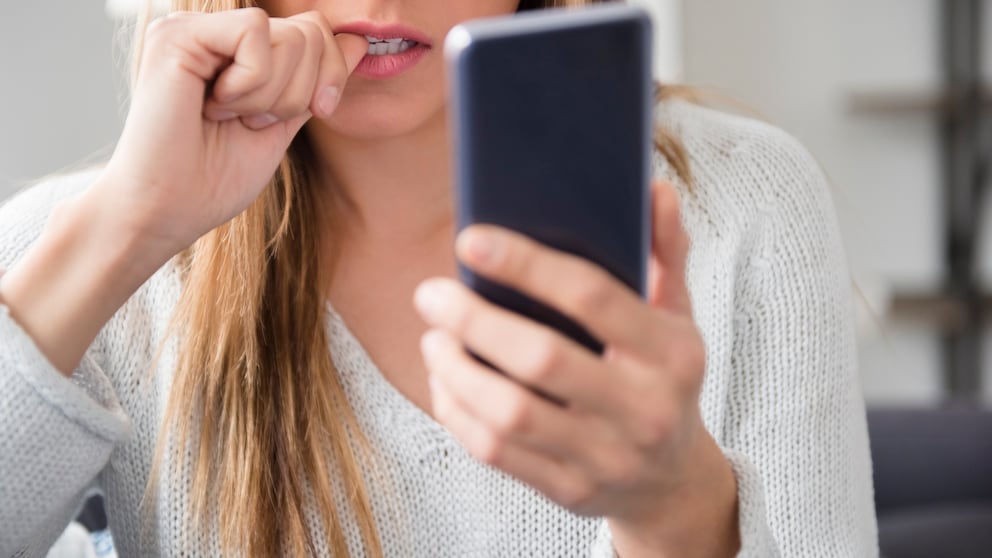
[[327, 99], [482, 247], [258, 121], [427, 298]]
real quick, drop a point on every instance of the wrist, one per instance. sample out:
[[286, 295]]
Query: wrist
[[697, 517], [107, 208], [84, 266]]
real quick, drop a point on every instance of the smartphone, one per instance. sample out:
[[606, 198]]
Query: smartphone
[[551, 120]]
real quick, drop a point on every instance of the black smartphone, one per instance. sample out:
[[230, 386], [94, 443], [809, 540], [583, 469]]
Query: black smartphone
[[551, 117]]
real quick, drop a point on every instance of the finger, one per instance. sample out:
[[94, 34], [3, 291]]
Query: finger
[[230, 48], [531, 353], [510, 411], [517, 416], [608, 309], [339, 57], [295, 96], [559, 482], [242, 36], [353, 49], [257, 108], [670, 251], [629, 394]]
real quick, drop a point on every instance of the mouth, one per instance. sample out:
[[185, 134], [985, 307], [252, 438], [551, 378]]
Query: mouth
[[386, 38], [394, 48], [395, 45]]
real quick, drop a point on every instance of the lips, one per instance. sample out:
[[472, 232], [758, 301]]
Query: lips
[[393, 48]]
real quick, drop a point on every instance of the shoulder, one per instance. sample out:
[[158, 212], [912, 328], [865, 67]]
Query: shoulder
[[743, 167], [23, 215]]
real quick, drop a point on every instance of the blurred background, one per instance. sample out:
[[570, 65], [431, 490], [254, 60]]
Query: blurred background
[[861, 84], [889, 95]]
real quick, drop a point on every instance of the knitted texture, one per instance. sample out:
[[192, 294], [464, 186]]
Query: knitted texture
[[771, 297]]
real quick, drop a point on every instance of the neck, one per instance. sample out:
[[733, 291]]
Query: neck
[[395, 190]]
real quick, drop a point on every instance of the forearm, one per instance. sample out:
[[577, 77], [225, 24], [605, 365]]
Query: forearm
[[699, 520], [82, 269]]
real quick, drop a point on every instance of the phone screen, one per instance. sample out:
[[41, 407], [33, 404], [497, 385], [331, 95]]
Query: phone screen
[[552, 121]]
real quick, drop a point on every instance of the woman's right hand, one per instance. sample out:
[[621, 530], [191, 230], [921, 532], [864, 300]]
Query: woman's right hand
[[218, 99]]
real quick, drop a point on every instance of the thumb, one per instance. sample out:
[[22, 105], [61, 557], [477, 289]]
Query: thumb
[[670, 250]]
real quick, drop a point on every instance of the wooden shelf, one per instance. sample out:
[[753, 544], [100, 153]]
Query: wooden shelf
[[937, 309], [897, 101]]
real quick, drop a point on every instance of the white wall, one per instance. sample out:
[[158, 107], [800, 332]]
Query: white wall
[[797, 63], [667, 18], [58, 100]]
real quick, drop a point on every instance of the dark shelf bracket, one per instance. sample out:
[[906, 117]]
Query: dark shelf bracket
[[963, 153]]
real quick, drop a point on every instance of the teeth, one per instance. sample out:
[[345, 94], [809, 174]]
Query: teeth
[[380, 47]]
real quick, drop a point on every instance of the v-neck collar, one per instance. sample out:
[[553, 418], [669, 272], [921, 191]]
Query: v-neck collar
[[366, 384]]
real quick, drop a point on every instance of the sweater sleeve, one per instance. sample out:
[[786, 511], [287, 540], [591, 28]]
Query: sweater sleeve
[[58, 432], [795, 429]]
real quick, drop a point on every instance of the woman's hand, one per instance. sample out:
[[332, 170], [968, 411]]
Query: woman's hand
[[218, 99], [628, 443]]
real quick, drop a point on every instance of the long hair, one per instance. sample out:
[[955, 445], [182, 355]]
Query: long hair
[[256, 407]]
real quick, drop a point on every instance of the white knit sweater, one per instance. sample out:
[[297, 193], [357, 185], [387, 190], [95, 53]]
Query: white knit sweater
[[781, 395]]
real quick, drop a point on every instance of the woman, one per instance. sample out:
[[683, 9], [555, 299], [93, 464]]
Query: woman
[[310, 392]]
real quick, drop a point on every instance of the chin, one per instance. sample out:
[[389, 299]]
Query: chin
[[366, 115]]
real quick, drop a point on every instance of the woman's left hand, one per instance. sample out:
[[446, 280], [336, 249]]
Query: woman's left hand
[[628, 441]]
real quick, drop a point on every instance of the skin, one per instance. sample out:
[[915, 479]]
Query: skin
[[629, 442]]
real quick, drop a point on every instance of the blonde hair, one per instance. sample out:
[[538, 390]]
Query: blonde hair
[[256, 404]]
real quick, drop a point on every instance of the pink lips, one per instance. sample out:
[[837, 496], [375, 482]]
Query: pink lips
[[388, 65]]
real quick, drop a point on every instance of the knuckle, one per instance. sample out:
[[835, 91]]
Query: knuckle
[[255, 17], [547, 359], [515, 418], [463, 318], [313, 34], [657, 426], [295, 40], [162, 28], [158, 26], [591, 296], [163, 48], [316, 18], [623, 469]]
